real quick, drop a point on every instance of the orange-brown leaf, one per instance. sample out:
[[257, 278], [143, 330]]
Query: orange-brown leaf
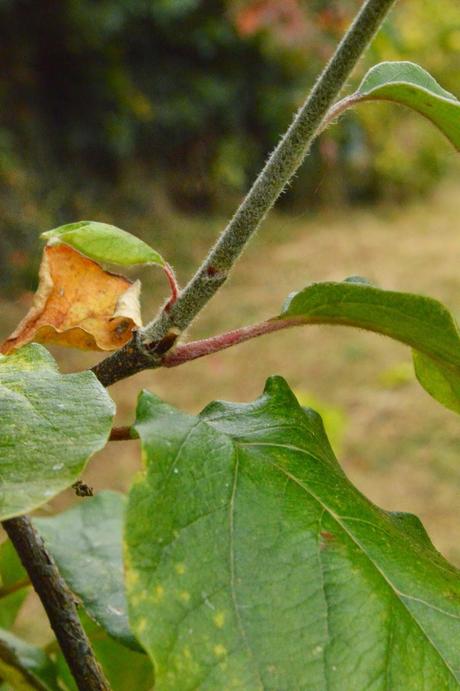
[[78, 304]]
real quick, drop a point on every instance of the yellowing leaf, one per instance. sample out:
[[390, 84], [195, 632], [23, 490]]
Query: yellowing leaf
[[78, 304]]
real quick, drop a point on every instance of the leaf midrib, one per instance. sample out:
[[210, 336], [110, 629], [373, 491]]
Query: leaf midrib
[[371, 94], [231, 517]]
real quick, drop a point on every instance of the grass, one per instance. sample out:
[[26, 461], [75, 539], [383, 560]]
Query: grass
[[397, 445]]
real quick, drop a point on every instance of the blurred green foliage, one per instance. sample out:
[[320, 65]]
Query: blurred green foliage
[[177, 103]]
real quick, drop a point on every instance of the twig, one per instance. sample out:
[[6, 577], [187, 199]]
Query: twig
[[58, 603], [173, 284], [146, 350], [214, 344], [337, 109], [149, 347], [6, 590], [122, 434]]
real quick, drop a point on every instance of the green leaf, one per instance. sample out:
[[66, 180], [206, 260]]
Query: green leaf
[[50, 426], [25, 666], [420, 322], [124, 669], [105, 243], [252, 562], [14, 584], [86, 542], [412, 86], [442, 383]]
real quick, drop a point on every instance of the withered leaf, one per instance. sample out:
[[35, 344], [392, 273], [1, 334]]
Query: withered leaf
[[78, 304]]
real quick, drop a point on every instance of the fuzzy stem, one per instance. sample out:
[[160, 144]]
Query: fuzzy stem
[[279, 169], [207, 346], [143, 352], [58, 602]]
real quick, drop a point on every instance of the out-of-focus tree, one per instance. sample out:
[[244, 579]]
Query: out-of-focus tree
[[190, 96]]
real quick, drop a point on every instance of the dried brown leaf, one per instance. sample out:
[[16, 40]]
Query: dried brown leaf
[[78, 304]]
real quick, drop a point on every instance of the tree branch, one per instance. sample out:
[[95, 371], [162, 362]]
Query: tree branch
[[148, 347], [58, 602]]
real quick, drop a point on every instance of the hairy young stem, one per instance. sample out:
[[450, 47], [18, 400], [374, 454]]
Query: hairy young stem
[[58, 603], [214, 344], [279, 169]]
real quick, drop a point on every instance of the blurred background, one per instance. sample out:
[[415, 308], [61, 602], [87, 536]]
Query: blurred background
[[155, 115]]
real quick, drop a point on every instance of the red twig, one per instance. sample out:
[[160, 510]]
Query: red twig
[[122, 434], [196, 349], [173, 284]]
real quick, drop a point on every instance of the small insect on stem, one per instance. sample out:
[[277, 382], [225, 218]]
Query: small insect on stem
[[82, 489]]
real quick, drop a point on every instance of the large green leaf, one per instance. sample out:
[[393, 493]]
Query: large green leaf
[[420, 322], [105, 243], [50, 424], [25, 666], [253, 563], [412, 86], [14, 584], [86, 542]]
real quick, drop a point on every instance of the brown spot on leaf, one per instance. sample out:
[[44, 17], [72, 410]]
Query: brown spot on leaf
[[326, 535], [326, 538]]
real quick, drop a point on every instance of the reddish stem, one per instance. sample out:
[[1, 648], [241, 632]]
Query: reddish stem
[[197, 349], [122, 434], [173, 284], [337, 109]]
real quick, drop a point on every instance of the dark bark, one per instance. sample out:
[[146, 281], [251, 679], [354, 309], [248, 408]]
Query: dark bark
[[58, 602]]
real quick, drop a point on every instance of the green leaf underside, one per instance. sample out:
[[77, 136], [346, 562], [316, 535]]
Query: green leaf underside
[[105, 243], [441, 382], [86, 543], [50, 425], [253, 563], [25, 666], [412, 86], [11, 572], [420, 322]]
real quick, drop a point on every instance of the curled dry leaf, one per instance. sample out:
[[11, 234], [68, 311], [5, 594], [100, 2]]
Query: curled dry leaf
[[78, 304]]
